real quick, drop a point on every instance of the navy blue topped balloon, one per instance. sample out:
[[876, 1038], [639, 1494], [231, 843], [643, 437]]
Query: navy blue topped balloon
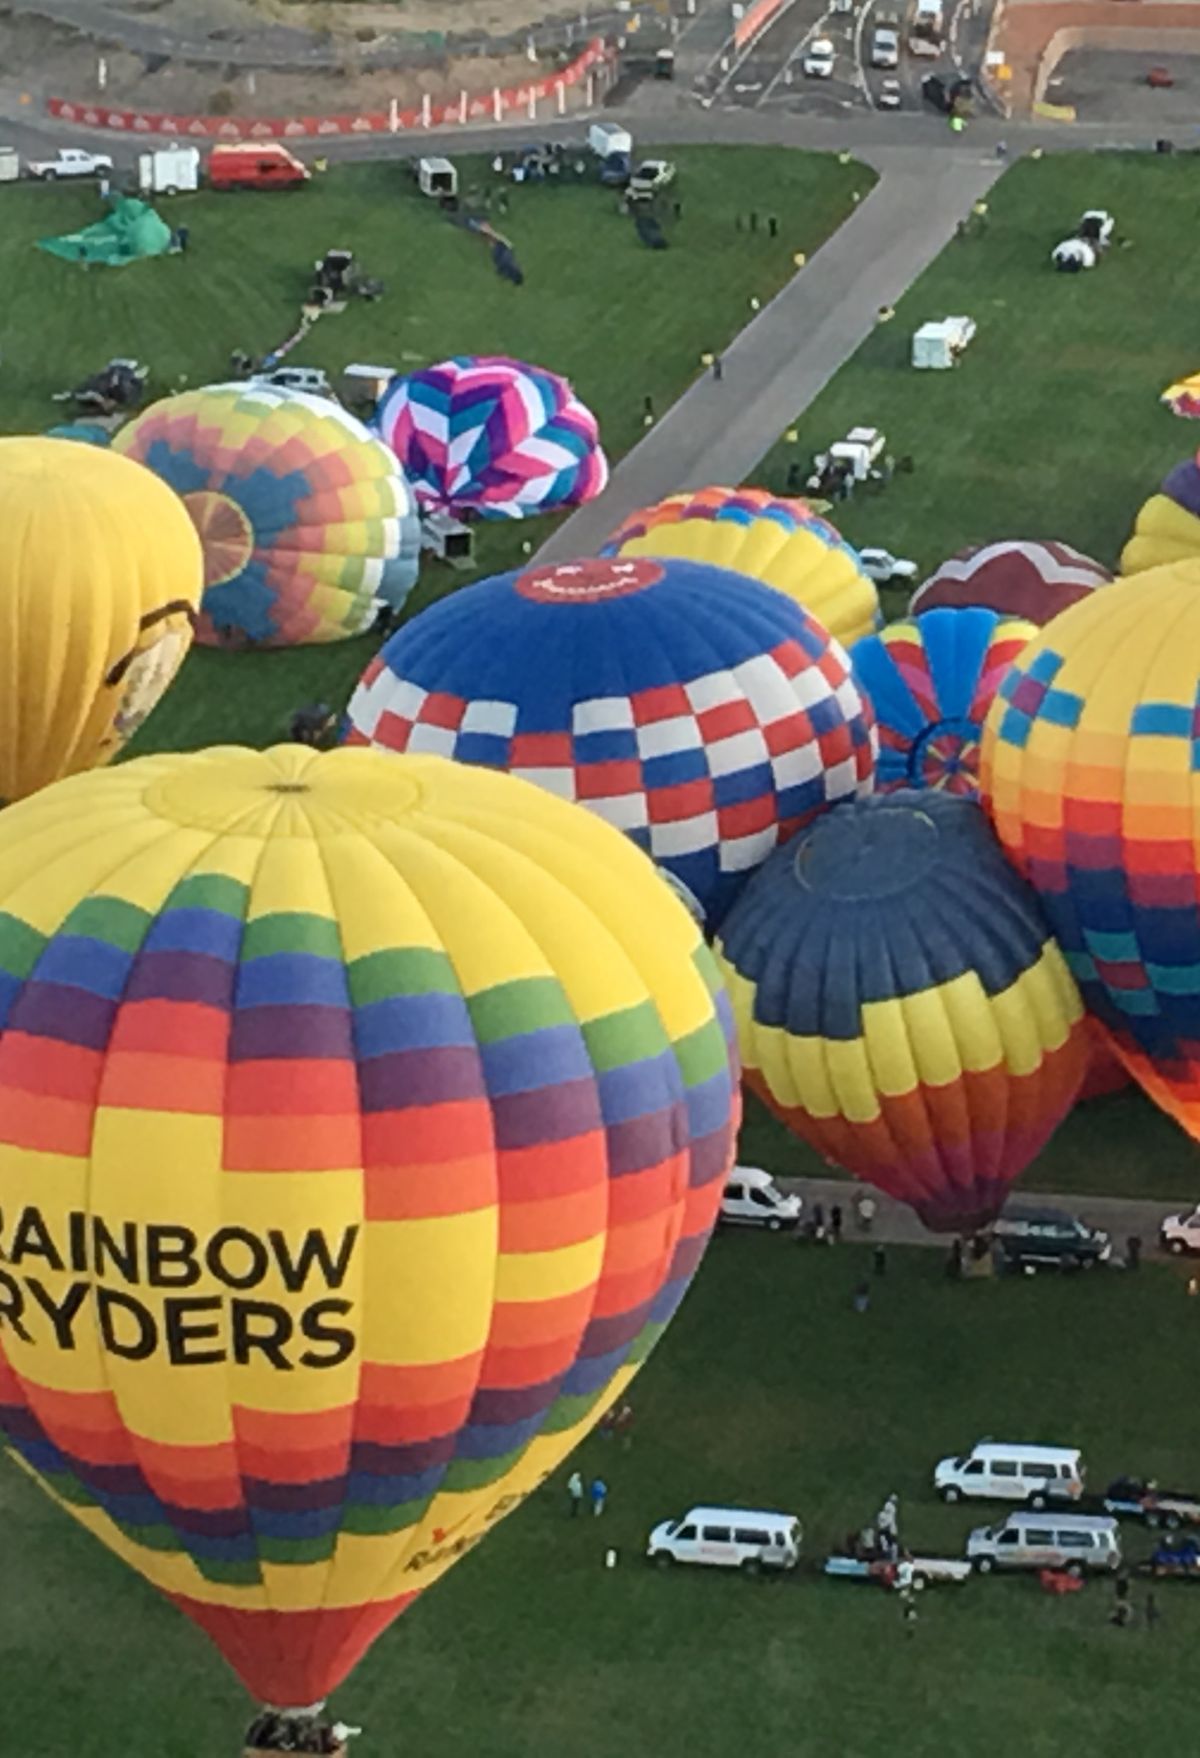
[[704, 714]]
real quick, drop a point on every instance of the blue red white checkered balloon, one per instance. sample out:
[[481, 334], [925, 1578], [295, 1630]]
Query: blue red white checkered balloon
[[702, 713]]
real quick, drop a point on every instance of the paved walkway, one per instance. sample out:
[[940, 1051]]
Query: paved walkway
[[895, 1223], [720, 431]]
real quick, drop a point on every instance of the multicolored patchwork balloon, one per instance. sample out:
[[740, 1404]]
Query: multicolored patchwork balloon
[[1167, 528], [1090, 763], [362, 1121], [783, 543], [100, 579], [491, 436], [703, 714], [306, 521], [1034, 581], [902, 1006], [931, 680]]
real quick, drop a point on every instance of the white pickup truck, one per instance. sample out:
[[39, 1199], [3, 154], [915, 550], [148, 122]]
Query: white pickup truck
[[70, 162]]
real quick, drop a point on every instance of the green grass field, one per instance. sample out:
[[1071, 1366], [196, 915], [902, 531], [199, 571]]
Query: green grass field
[[620, 321], [1051, 426], [769, 1390]]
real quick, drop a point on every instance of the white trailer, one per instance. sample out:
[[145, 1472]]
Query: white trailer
[[937, 346], [10, 164], [607, 138], [437, 177], [169, 170]]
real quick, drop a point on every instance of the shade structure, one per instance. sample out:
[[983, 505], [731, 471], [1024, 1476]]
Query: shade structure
[[931, 680], [306, 521], [362, 1120], [777, 540], [702, 713], [100, 580], [1033, 580], [901, 1004], [1089, 772]]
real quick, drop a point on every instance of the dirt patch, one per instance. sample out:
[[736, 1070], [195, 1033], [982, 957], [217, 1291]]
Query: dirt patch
[[498, 18], [64, 65]]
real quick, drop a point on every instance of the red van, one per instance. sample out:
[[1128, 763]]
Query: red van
[[260, 164]]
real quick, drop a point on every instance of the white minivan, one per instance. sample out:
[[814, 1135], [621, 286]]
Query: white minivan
[[1004, 1471], [1027, 1540], [751, 1198], [728, 1538]]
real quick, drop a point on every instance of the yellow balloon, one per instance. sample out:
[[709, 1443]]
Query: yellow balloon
[[100, 580], [782, 542], [1164, 532]]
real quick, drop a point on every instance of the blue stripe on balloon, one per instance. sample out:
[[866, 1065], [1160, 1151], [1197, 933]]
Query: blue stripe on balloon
[[291, 979]]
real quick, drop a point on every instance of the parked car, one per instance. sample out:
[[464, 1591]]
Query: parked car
[[752, 1199], [1180, 1233], [1030, 1239], [1009, 1471], [889, 96], [884, 568], [70, 162], [885, 48], [728, 1538], [311, 379], [819, 60], [1075, 1543], [1136, 1499]]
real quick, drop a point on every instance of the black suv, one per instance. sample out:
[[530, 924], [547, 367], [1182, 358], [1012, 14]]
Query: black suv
[[1049, 1239]]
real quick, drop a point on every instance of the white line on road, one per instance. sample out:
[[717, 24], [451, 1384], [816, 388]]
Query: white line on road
[[860, 26]]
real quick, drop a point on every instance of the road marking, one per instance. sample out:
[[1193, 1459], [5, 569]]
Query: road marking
[[751, 48], [962, 10], [798, 53], [860, 25]]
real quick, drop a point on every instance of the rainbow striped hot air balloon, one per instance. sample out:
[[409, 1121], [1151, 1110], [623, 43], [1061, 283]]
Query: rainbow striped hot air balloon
[[1089, 772], [1030, 580], [486, 435], [306, 521], [362, 1120], [901, 1005], [781, 542], [701, 713], [931, 680]]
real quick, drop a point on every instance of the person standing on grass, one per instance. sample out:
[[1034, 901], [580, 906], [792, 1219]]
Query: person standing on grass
[[1152, 1612], [575, 1493], [862, 1297], [910, 1616], [879, 1261], [623, 1425], [599, 1496], [835, 1223]]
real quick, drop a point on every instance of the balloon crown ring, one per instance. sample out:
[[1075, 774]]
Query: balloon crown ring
[[590, 581]]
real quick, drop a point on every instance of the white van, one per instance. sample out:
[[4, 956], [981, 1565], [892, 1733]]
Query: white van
[[728, 1538], [752, 1199], [1003, 1471], [1025, 1540]]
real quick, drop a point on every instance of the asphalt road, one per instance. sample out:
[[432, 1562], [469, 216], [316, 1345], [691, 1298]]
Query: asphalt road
[[720, 430], [1110, 87], [895, 1224]]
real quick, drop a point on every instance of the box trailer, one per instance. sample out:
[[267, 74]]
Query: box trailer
[[607, 138], [256, 165], [169, 170]]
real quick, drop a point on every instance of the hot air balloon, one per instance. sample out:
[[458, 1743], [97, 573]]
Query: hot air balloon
[[931, 680], [1106, 1073], [1168, 524], [486, 435], [783, 543], [901, 1005], [306, 522], [1089, 772], [1034, 581], [703, 714], [362, 1122], [1183, 397], [100, 580]]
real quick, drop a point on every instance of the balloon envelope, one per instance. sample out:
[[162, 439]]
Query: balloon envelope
[[1167, 528], [362, 1120], [487, 435], [1089, 771], [701, 713], [781, 542], [305, 519], [901, 1006], [931, 680], [1034, 580], [100, 578]]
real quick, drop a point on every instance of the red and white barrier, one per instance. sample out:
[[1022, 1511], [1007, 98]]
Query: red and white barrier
[[490, 106]]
